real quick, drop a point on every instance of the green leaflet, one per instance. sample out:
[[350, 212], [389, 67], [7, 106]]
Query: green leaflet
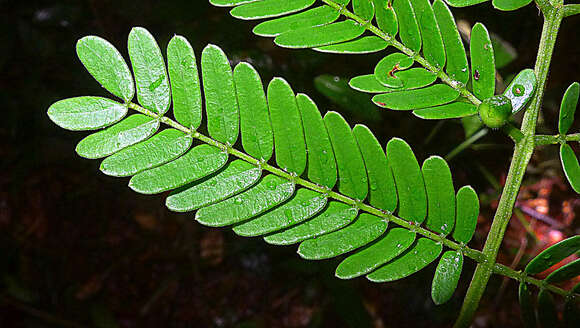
[[302, 206], [553, 255], [508, 5], [568, 108], [335, 216], [361, 232], [351, 169], [565, 272], [482, 63], [382, 191], [438, 94], [440, 195], [229, 3], [287, 126], [433, 49], [257, 138], [457, 67], [409, 181], [269, 192], [571, 166], [221, 105], [415, 78], [197, 163], [159, 149], [466, 214], [236, 177], [127, 132], [547, 315], [411, 79], [452, 110], [153, 89], [463, 3], [526, 306], [363, 45], [269, 8], [408, 25], [368, 83], [313, 17], [391, 245], [185, 87], [385, 69], [321, 164], [422, 253], [521, 89], [386, 17], [364, 9], [316, 36], [107, 66], [446, 276], [86, 113]]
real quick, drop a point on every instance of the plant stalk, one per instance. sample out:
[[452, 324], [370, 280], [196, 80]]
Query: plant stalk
[[521, 157]]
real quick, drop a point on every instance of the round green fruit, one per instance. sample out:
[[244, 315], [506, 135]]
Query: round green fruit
[[495, 111]]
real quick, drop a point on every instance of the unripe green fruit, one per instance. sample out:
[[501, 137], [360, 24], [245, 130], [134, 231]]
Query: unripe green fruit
[[495, 111]]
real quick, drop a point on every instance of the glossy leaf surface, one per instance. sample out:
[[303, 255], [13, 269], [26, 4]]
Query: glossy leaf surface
[[302, 206], [395, 242], [107, 66], [314, 17], [364, 230], [353, 180], [446, 277], [409, 181], [521, 89], [456, 109], [335, 216], [323, 35], [148, 65], [269, 192], [482, 63], [159, 149], [197, 163], [457, 67], [269, 8], [129, 131], [466, 214], [553, 255], [434, 95], [185, 86], [257, 138], [440, 195], [287, 126], [364, 45], [236, 177], [418, 256], [86, 113]]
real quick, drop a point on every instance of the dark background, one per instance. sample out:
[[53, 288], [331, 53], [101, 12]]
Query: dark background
[[78, 248]]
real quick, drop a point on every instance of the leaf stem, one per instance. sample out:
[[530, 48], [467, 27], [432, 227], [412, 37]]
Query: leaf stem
[[521, 157], [415, 55], [542, 140]]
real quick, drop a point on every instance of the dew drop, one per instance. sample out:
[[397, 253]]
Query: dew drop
[[373, 186], [464, 69], [399, 245]]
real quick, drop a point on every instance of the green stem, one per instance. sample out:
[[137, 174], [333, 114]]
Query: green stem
[[521, 157], [542, 140], [468, 142]]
